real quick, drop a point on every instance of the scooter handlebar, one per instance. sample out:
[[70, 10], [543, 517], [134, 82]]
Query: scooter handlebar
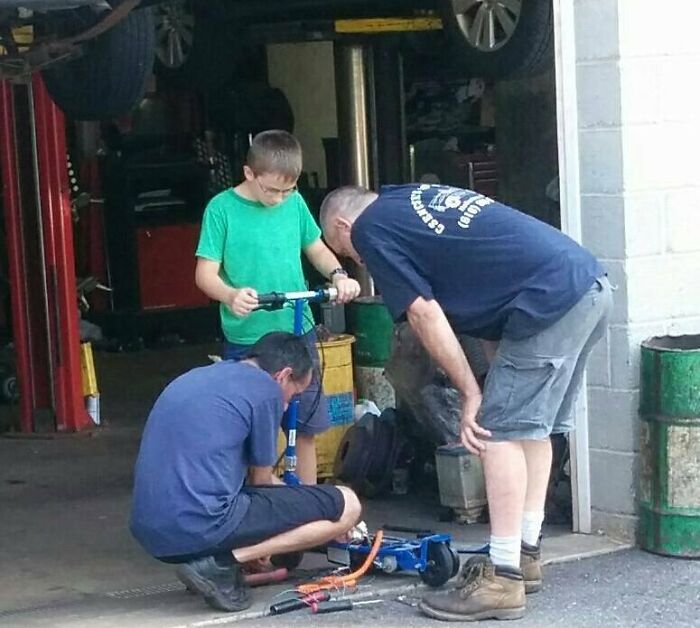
[[271, 300]]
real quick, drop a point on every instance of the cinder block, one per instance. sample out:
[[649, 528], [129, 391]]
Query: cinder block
[[613, 419], [625, 343], [684, 281], [599, 94], [644, 223], [681, 96], [603, 225], [620, 527], [659, 156], [617, 275], [640, 97], [648, 32], [596, 29], [683, 220], [683, 326], [613, 481], [598, 370], [601, 167], [649, 288]]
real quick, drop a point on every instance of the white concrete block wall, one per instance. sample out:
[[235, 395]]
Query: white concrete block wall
[[639, 130]]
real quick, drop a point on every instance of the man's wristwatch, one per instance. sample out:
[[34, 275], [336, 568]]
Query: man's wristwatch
[[337, 271]]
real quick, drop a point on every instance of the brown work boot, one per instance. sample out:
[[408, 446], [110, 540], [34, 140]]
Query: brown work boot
[[531, 566], [484, 591]]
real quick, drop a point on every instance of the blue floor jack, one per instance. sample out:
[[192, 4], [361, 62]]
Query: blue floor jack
[[429, 554]]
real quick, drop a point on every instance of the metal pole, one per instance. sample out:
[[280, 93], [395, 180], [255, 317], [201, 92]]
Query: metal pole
[[353, 123], [392, 161], [17, 264], [45, 237], [64, 334]]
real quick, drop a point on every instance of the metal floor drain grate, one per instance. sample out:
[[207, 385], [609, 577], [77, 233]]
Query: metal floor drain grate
[[151, 589], [126, 594]]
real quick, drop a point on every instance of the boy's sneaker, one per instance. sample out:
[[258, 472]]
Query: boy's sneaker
[[531, 565], [223, 587], [484, 591]]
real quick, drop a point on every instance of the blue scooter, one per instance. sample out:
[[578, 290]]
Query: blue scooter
[[276, 301]]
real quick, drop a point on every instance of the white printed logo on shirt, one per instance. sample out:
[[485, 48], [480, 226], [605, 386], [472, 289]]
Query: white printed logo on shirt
[[469, 204]]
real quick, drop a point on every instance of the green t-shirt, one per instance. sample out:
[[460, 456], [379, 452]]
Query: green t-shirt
[[258, 247]]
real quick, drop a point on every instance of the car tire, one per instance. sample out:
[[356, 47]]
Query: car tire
[[111, 76], [193, 49], [527, 51]]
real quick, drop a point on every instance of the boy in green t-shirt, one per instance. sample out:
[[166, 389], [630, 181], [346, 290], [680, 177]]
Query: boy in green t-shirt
[[251, 242]]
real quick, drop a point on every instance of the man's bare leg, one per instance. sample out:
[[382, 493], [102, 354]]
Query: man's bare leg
[[306, 536], [306, 458], [538, 458], [505, 472]]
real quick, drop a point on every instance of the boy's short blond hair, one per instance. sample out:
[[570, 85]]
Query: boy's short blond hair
[[275, 152]]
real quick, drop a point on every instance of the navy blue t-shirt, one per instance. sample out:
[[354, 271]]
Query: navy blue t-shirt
[[203, 432], [496, 272]]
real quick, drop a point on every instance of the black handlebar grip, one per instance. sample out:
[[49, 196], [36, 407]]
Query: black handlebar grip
[[271, 298]]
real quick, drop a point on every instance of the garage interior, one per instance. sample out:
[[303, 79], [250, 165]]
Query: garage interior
[[369, 107]]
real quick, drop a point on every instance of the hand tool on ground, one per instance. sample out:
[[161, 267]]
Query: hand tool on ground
[[335, 606], [295, 604], [266, 577]]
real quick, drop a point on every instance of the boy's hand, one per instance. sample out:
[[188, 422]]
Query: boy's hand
[[347, 288], [243, 301]]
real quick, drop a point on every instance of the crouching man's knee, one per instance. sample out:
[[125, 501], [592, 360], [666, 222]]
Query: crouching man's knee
[[352, 509]]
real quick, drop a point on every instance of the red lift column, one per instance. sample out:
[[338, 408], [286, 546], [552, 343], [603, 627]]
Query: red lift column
[[41, 260]]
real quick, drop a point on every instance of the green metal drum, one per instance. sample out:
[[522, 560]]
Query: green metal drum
[[370, 322], [669, 491]]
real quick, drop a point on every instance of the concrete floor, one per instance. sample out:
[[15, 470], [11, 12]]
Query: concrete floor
[[66, 556]]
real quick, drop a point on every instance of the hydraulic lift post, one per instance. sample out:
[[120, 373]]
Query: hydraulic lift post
[[39, 235]]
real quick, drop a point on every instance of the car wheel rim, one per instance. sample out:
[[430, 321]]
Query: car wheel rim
[[174, 33], [487, 25]]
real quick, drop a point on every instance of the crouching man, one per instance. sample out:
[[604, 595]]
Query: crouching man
[[210, 430]]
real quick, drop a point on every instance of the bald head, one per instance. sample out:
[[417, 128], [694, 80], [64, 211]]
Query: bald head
[[338, 212], [346, 202]]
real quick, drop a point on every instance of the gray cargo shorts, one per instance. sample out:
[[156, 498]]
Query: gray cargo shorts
[[532, 384]]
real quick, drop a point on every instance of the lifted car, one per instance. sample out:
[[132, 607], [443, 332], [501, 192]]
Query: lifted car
[[96, 55]]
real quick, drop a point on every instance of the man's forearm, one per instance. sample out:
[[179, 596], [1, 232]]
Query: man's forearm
[[431, 326]]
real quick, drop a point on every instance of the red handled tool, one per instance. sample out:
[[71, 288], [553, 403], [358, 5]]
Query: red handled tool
[[312, 600]]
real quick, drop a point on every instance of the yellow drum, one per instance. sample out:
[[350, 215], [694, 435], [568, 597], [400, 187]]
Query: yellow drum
[[338, 387]]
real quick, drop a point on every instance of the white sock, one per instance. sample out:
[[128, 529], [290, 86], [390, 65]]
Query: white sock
[[532, 526], [505, 551]]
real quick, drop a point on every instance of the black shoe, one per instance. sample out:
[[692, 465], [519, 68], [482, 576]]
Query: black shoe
[[223, 587]]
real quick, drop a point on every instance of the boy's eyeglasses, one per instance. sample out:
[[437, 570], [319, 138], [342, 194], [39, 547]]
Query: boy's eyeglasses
[[275, 191]]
